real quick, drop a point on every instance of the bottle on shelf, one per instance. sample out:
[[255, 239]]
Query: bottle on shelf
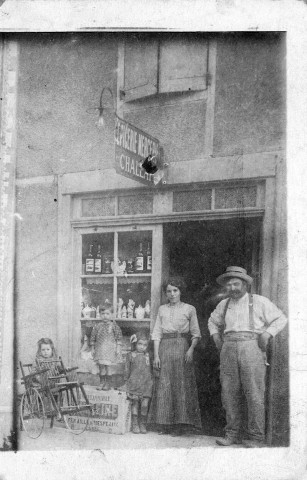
[[98, 261], [148, 259], [120, 304], [89, 262], [129, 266], [139, 260], [130, 308], [107, 264]]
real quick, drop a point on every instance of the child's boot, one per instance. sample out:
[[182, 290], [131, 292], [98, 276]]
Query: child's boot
[[107, 385], [102, 382], [135, 424], [143, 422]]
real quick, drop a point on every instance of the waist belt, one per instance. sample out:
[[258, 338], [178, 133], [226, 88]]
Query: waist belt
[[175, 335], [237, 336]]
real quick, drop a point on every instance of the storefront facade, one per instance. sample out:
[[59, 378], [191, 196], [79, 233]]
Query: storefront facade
[[215, 104]]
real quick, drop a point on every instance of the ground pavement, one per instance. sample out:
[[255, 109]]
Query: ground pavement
[[62, 439]]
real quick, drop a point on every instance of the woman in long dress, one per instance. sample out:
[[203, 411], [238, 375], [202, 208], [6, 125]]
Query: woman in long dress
[[175, 335]]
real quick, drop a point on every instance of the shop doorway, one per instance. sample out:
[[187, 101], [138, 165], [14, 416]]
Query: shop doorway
[[199, 252]]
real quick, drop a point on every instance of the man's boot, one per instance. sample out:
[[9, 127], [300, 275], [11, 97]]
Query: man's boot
[[135, 424], [228, 441]]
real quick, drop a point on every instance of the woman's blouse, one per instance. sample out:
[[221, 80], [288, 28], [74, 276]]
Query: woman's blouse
[[180, 317]]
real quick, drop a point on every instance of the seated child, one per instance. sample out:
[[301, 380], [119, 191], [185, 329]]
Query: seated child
[[139, 382], [106, 343], [45, 352]]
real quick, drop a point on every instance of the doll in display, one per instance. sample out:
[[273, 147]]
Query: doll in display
[[120, 304], [106, 346], [138, 381], [130, 308], [140, 313]]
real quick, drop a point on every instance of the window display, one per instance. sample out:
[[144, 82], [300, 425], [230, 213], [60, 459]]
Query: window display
[[116, 270]]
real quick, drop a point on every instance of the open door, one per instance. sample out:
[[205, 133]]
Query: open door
[[199, 252]]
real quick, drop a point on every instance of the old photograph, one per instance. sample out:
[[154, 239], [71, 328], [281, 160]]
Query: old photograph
[[150, 254]]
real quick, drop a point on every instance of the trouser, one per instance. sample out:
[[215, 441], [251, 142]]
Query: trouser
[[243, 373]]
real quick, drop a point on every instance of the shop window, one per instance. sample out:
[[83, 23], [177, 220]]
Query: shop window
[[135, 205], [116, 271], [190, 201], [235, 197], [162, 66], [98, 207]]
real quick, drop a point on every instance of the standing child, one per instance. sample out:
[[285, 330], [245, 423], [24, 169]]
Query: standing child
[[106, 344], [139, 383]]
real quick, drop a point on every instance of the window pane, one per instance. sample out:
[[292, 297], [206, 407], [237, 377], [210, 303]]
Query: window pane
[[98, 207], [235, 197], [134, 279], [135, 205], [191, 201]]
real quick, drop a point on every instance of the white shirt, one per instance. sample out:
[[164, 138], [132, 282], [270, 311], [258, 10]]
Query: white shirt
[[267, 317], [180, 317]]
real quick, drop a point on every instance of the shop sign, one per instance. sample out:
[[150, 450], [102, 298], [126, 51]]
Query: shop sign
[[132, 146]]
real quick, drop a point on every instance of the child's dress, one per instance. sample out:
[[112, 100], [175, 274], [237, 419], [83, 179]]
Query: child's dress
[[107, 337], [39, 363], [138, 375]]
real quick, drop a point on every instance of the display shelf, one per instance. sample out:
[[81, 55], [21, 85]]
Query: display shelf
[[133, 279], [121, 279], [119, 275], [144, 274], [125, 324], [124, 320], [101, 275]]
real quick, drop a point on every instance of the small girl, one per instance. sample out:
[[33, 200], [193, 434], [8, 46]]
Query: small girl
[[139, 383], [106, 344], [45, 352]]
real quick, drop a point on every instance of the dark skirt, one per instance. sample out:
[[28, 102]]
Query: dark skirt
[[175, 399]]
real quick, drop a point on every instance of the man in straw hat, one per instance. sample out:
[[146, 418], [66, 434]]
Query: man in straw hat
[[241, 326]]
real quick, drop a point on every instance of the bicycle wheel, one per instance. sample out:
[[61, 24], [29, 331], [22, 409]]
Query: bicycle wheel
[[32, 413], [74, 411]]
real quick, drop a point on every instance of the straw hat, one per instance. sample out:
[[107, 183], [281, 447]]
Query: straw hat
[[234, 272]]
